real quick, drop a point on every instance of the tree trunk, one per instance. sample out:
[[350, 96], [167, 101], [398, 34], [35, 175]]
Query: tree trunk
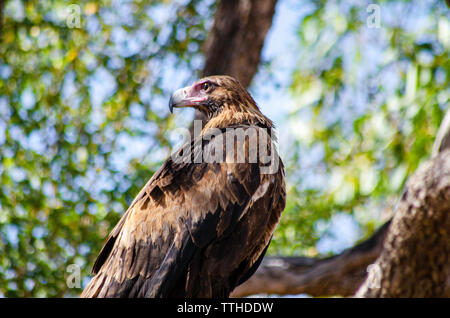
[[415, 258], [235, 42]]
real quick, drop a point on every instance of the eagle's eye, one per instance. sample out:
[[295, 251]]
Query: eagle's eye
[[206, 86]]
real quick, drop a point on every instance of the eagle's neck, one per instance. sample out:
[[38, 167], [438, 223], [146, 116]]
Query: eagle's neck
[[233, 116]]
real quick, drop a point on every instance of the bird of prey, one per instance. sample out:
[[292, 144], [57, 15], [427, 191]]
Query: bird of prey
[[203, 222]]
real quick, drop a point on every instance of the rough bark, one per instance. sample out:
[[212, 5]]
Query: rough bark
[[337, 275], [235, 42], [416, 253]]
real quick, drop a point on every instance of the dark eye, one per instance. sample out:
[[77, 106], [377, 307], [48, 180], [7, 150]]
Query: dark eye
[[206, 86]]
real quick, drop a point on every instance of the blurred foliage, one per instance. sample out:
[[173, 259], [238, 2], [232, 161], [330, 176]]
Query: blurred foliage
[[75, 87], [368, 103], [83, 119]]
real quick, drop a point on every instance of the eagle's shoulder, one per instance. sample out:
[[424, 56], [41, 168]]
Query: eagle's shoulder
[[194, 198]]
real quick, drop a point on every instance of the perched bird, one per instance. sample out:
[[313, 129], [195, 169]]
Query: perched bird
[[202, 224]]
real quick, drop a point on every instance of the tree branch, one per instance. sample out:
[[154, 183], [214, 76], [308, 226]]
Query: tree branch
[[236, 40], [337, 275], [416, 253]]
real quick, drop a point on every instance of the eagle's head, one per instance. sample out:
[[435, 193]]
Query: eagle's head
[[213, 94]]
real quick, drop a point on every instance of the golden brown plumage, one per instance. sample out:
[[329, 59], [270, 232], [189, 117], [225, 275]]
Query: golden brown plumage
[[201, 225]]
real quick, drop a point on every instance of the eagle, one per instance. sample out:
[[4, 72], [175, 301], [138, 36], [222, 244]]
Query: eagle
[[203, 222]]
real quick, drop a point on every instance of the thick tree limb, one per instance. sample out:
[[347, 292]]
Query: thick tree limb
[[337, 275], [235, 42], [416, 253]]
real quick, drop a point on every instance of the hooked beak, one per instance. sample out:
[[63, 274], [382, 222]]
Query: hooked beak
[[183, 97]]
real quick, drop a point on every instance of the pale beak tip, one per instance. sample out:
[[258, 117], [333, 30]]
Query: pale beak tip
[[171, 104]]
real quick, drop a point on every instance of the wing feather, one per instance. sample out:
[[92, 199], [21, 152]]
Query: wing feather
[[181, 210]]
